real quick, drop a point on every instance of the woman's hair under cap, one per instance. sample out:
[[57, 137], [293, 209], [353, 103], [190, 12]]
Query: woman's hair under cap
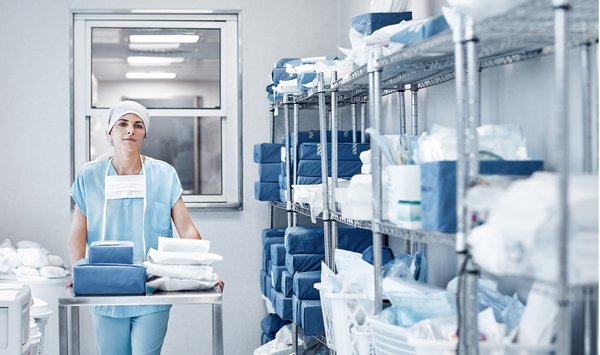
[[121, 109]]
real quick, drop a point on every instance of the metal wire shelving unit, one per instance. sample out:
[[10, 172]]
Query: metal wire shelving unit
[[533, 29]]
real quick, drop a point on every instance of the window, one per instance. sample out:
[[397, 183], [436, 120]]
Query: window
[[185, 69]]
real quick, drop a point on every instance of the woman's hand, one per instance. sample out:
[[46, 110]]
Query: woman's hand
[[69, 283], [220, 284]]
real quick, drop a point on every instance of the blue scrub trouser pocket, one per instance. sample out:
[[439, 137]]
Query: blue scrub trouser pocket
[[161, 219], [131, 335]]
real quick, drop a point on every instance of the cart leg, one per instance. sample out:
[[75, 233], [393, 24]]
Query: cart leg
[[63, 330], [75, 330], [217, 329]]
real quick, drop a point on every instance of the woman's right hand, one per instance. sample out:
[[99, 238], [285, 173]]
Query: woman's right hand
[[69, 283]]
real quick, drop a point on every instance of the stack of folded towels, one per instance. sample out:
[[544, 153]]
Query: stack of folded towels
[[304, 252], [110, 269], [268, 157], [309, 157], [181, 264]]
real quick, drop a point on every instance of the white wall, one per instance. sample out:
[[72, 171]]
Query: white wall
[[36, 156]]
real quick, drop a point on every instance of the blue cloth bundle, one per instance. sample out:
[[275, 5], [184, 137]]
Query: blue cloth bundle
[[267, 153], [313, 167], [311, 317], [266, 191], [271, 324], [267, 242], [278, 254], [268, 286], [283, 306], [109, 279], [263, 281], [265, 338], [303, 262], [312, 151], [269, 172], [268, 233], [304, 285], [111, 252], [386, 255], [272, 296], [287, 284], [305, 240], [276, 276], [438, 188], [421, 31], [368, 23]]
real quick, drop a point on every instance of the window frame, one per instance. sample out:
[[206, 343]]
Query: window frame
[[230, 109]]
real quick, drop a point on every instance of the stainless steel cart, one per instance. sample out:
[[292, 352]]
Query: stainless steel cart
[[69, 300]]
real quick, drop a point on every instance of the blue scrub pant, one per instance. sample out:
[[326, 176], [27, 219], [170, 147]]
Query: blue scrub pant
[[134, 335]]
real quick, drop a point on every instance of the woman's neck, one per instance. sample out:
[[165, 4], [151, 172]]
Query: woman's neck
[[127, 163]]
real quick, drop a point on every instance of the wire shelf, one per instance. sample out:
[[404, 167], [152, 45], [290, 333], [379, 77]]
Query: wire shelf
[[417, 235], [362, 224]]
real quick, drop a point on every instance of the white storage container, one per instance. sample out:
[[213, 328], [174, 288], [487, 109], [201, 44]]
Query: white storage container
[[15, 300]]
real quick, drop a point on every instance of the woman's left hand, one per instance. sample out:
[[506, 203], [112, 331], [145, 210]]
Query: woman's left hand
[[220, 284]]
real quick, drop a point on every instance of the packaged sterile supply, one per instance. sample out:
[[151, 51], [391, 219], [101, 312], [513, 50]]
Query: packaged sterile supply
[[182, 258], [165, 283], [33, 257], [109, 279], [196, 272], [111, 252], [183, 245]]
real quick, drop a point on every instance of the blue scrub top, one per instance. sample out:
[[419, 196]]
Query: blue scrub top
[[124, 216]]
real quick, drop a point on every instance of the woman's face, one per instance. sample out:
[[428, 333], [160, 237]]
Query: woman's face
[[128, 133]]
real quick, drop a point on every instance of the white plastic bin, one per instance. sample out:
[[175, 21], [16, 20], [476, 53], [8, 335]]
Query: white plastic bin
[[341, 314], [389, 339]]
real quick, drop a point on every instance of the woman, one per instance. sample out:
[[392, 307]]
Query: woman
[[128, 197]]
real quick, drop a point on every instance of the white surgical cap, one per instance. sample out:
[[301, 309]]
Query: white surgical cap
[[121, 109]]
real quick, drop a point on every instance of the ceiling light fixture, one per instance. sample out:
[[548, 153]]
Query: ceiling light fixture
[[164, 38], [160, 61], [154, 47], [150, 75]]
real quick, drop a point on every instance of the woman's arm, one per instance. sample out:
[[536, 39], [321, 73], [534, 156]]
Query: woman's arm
[[78, 239], [183, 221]]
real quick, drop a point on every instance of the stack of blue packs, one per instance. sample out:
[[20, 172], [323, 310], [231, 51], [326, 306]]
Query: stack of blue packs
[[270, 237], [110, 270], [268, 157], [270, 325]]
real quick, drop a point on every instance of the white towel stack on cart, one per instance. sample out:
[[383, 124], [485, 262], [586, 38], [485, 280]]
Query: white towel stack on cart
[[181, 264]]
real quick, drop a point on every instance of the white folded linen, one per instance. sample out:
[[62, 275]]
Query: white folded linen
[[166, 283], [183, 245], [196, 272], [180, 258]]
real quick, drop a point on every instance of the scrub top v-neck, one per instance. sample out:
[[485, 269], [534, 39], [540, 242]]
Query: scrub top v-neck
[[124, 217]]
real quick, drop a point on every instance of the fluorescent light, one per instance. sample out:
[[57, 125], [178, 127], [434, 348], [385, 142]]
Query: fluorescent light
[[150, 75], [164, 38], [154, 47], [158, 61]]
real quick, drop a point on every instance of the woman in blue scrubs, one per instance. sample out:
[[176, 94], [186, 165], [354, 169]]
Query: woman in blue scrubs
[[128, 197]]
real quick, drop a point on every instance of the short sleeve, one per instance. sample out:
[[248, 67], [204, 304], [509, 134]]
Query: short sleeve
[[78, 194], [176, 189]]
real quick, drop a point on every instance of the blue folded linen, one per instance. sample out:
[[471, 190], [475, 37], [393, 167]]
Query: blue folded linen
[[270, 233], [267, 153], [368, 23], [268, 286], [283, 306], [438, 188], [313, 167], [296, 310], [111, 252], [287, 283], [312, 151], [265, 338], [311, 180], [304, 285], [267, 242], [272, 296], [276, 276], [263, 281], [311, 317], [266, 191], [278, 254], [315, 137], [303, 262], [269, 172], [109, 279], [271, 324], [420, 31], [386, 255], [305, 240]]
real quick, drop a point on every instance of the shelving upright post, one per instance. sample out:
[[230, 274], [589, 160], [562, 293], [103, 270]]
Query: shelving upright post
[[295, 160], [334, 166], [271, 140]]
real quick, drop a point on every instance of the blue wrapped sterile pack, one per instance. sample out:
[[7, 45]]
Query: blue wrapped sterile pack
[[303, 262], [305, 240], [269, 172], [287, 283], [346, 151], [263, 281], [311, 317], [366, 24], [313, 167], [276, 276], [278, 254], [267, 242], [271, 324], [109, 279], [111, 252], [267, 153], [304, 285], [283, 306], [266, 191], [421, 30]]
